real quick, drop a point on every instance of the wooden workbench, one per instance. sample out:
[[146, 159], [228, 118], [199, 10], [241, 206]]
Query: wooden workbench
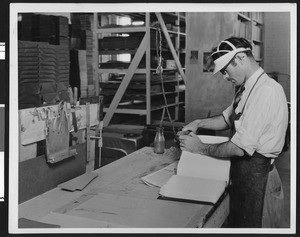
[[119, 198]]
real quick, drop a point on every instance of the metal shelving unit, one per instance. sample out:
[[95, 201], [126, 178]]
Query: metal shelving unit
[[173, 36], [254, 24]]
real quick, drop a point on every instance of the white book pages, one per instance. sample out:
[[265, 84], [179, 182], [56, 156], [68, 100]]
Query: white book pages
[[196, 165], [199, 177], [195, 189]]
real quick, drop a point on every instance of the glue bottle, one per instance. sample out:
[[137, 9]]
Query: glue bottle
[[159, 141]]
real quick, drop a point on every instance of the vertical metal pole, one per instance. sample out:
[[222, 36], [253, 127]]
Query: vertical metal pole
[[148, 72], [170, 44], [98, 134], [95, 54], [88, 132]]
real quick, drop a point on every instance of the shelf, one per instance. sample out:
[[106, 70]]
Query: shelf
[[164, 106], [177, 33], [140, 109], [138, 84], [132, 29], [123, 29], [258, 22], [129, 51], [243, 18], [128, 111], [120, 51], [141, 94], [174, 14], [257, 41], [119, 70]]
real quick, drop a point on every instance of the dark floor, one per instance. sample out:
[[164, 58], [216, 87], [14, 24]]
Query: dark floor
[[283, 166]]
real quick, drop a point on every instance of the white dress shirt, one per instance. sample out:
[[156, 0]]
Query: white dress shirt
[[264, 121]]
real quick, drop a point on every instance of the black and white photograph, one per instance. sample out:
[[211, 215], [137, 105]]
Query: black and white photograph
[[152, 118]]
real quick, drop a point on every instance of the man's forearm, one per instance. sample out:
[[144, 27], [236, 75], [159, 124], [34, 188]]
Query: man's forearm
[[226, 149], [213, 123]]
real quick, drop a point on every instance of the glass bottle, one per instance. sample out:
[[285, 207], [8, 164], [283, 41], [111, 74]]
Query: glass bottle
[[159, 141]]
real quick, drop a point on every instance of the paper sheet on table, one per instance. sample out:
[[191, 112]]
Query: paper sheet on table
[[160, 177]]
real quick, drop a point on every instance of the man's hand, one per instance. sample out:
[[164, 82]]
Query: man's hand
[[191, 143], [193, 126]]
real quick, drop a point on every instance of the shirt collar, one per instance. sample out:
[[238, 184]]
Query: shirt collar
[[251, 80]]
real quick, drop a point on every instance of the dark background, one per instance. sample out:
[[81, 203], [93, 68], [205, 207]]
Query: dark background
[[3, 99]]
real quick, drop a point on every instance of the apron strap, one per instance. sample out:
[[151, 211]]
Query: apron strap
[[251, 91], [235, 116]]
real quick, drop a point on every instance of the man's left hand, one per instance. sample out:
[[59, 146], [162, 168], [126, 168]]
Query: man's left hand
[[191, 143]]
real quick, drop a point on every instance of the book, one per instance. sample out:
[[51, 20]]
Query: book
[[199, 177]]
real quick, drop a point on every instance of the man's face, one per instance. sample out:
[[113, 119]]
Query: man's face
[[234, 72]]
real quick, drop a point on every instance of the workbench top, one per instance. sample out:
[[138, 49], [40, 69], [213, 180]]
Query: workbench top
[[119, 198]]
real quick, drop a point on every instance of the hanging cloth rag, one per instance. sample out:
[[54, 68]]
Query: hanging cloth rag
[[57, 137]]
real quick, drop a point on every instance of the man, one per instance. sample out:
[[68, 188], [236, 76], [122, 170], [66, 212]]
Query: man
[[258, 118]]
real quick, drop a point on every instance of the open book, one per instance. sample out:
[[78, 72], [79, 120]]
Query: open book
[[199, 177]]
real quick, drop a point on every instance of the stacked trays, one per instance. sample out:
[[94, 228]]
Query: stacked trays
[[44, 28], [43, 73]]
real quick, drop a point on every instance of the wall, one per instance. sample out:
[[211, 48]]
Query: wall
[[277, 47], [206, 94]]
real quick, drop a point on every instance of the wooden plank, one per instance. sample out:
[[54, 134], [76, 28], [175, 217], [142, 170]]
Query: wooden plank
[[136, 212], [79, 183], [68, 221], [122, 88], [26, 223], [32, 121], [170, 44]]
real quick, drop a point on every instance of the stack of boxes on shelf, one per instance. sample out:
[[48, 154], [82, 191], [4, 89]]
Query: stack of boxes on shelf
[[43, 56], [82, 54]]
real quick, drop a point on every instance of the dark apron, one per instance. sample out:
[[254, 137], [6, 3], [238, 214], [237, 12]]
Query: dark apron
[[249, 175]]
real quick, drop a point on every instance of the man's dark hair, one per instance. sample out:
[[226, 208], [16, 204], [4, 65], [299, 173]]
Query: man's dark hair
[[238, 42]]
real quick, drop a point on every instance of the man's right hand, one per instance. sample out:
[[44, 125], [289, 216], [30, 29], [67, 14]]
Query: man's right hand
[[192, 126]]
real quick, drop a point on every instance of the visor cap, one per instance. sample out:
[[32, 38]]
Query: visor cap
[[226, 50]]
